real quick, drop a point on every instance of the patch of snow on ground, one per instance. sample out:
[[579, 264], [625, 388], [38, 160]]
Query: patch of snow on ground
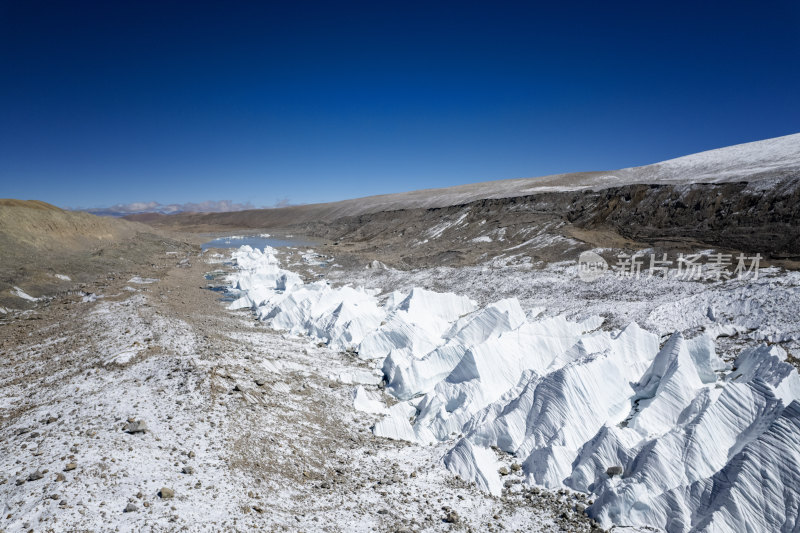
[[16, 291], [142, 281], [436, 231]]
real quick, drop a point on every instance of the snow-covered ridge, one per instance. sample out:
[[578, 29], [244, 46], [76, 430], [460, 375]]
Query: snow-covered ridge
[[666, 436], [723, 164]]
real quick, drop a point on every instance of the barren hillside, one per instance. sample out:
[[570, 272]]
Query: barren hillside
[[46, 249]]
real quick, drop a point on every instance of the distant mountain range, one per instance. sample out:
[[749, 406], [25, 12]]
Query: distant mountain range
[[135, 208]]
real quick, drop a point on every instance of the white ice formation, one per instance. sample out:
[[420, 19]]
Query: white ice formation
[[701, 445]]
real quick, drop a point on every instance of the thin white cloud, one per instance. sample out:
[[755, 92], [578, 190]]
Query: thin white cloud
[[209, 206]]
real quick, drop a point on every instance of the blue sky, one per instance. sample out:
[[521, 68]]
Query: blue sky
[[115, 102]]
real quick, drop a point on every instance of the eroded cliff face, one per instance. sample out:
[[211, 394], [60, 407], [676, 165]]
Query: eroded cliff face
[[748, 217], [730, 215]]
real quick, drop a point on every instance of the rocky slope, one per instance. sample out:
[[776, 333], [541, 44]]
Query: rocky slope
[[46, 250], [41, 225], [728, 216]]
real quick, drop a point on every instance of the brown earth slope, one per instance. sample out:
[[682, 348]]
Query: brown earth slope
[[39, 241], [43, 226]]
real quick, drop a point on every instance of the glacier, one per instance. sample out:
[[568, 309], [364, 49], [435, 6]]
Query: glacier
[[668, 436]]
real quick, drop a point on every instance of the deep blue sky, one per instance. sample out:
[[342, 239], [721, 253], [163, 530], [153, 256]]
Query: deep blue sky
[[116, 102]]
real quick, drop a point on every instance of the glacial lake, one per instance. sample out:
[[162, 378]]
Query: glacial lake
[[255, 241]]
